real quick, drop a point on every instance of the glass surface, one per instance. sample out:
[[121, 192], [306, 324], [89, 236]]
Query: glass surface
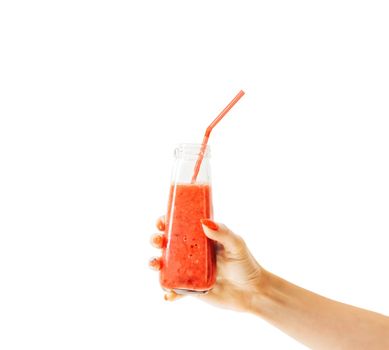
[[188, 256]]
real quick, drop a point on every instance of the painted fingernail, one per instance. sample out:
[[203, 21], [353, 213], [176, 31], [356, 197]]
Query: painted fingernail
[[155, 263], [156, 240], [210, 224], [160, 224]]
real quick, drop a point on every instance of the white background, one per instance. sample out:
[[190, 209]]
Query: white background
[[94, 95]]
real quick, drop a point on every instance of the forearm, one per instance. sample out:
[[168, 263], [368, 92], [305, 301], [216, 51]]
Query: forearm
[[318, 322]]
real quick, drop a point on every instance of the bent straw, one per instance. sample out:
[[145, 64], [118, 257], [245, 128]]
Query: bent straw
[[208, 132]]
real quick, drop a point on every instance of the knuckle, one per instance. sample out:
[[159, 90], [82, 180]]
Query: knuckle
[[239, 240], [239, 243]]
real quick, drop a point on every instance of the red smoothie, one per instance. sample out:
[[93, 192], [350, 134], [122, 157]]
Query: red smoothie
[[188, 257]]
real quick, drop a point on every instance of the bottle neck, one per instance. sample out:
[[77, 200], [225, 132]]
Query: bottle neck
[[191, 151], [186, 156]]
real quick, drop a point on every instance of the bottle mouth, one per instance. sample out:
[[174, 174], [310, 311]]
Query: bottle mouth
[[191, 149]]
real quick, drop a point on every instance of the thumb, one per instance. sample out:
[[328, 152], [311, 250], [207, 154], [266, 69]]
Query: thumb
[[222, 234]]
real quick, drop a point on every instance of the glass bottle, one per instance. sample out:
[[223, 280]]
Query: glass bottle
[[188, 256]]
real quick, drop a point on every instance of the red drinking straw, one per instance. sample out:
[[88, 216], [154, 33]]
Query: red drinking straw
[[208, 132]]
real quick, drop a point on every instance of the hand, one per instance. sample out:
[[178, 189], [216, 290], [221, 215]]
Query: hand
[[243, 285], [239, 276]]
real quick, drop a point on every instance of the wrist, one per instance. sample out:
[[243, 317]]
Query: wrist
[[266, 294]]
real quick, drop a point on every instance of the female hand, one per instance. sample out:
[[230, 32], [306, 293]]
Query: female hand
[[239, 276], [243, 285]]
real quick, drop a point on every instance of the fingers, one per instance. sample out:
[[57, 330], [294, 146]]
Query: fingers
[[171, 296], [157, 240], [155, 263], [161, 223], [222, 234]]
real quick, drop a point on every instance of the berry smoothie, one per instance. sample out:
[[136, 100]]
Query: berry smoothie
[[188, 258]]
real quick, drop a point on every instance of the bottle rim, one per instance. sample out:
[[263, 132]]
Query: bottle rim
[[191, 149]]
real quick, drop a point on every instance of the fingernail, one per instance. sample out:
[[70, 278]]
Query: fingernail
[[160, 226], [155, 263], [157, 240], [210, 224], [168, 297]]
